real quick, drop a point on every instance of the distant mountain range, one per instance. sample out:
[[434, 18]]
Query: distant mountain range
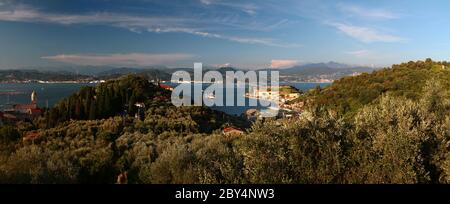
[[325, 68], [321, 72], [82, 70], [306, 72], [34, 75]]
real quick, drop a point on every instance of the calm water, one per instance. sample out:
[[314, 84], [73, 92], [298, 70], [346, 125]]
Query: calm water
[[55, 92], [238, 110], [45, 92]]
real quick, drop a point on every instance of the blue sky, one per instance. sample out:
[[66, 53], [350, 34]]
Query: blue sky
[[246, 34]]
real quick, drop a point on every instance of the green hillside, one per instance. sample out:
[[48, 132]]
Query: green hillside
[[398, 132], [407, 79]]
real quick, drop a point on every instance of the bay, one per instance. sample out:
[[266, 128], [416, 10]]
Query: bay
[[238, 110], [51, 92], [54, 92]]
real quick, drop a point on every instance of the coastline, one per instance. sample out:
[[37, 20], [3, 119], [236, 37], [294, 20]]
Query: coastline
[[101, 81], [49, 82]]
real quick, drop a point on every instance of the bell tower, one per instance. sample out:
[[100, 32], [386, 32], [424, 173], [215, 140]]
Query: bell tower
[[34, 97]]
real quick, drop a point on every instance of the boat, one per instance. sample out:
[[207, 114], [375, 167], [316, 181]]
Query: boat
[[210, 96]]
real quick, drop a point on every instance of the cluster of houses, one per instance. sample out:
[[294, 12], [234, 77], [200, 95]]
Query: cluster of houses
[[283, 94], [21, 112]]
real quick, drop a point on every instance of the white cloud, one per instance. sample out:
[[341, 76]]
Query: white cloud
[[223, 65], [368, 13], [207, 2], [27, 14], [129, 59], [360, 53], [244, 7], [365, 34], [283, 63], [133, 23], [260, 41]]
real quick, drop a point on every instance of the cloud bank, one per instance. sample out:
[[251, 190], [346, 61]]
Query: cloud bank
[[366, 34], [130, 59], [368, 13], [283, 63], [359, 53], [140, 23]]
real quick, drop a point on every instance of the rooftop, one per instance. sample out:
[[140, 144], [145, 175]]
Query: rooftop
[[232, 130], [165, 86], [25, 106], [31, 136]]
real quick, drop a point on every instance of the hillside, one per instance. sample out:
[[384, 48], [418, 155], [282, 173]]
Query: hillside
[[34, 75], [398, 132], [407, 79], [305, 73], [119, 97], [325, 68], [151, 74]]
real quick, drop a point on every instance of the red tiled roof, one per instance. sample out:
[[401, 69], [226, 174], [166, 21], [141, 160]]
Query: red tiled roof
[[25, 106], [36, 110], [31, 136], [230, 129], [164, 86]]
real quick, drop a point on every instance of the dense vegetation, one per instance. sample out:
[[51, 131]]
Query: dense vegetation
[[349, 94], [151, 74], [399, 136], [106, 100]]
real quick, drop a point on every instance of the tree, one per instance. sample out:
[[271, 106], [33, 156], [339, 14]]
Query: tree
[[92, 111], [8, 134], [393, 134]]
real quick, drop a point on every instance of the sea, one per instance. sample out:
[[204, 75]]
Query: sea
[[50, 93]]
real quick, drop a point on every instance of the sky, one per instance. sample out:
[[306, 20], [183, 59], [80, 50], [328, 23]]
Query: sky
[[240, 33]]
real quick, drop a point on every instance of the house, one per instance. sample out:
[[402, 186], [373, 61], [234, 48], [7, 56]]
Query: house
[[232, 131], [166, 87], [26, 111], [288, 93], [289, 96], [262, 92], [35, 112], [25, 108], [31, 136], [283, 93]]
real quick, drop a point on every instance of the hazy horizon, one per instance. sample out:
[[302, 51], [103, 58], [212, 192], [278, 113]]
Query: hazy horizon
[[206, 66]]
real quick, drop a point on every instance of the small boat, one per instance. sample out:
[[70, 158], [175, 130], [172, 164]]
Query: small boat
[[210, 96]]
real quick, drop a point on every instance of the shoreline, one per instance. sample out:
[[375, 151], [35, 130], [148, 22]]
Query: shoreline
[[281, 82], [56, 82], [98, 82]]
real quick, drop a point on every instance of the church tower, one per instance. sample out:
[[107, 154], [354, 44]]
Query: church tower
[[34, 97]]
